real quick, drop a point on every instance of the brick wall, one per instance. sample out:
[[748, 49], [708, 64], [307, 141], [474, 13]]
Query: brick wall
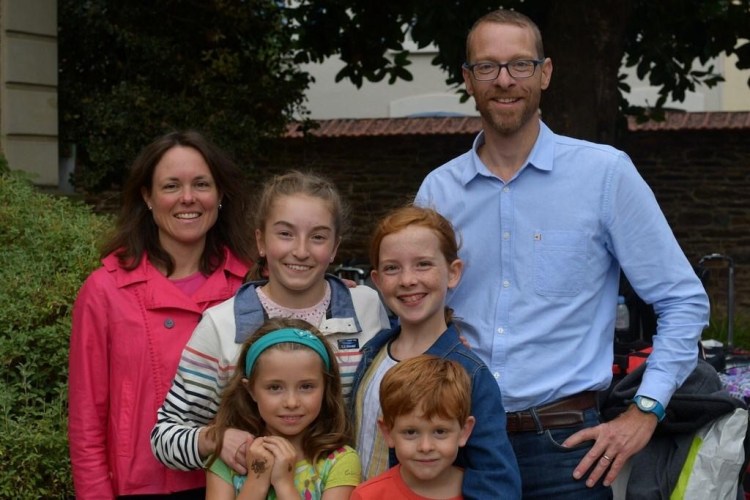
[[701, 179], [374, 174], [702, 182]]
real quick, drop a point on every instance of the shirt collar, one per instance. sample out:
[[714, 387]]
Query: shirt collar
[[145, 270], [541, 155]]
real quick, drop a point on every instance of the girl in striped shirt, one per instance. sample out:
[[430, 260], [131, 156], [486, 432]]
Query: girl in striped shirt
[[299, 223]]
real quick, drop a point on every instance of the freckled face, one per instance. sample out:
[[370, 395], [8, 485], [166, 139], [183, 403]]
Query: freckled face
[[413, 277], [184, 198]]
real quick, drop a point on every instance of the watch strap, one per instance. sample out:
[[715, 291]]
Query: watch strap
[[656, 408]]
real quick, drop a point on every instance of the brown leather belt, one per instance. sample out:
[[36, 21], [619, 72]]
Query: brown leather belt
[[566, 412]]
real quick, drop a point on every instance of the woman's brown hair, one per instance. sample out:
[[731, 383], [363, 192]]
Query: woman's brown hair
[[136, 232]]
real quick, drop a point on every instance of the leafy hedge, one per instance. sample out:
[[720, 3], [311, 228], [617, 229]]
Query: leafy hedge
[[48, 245]]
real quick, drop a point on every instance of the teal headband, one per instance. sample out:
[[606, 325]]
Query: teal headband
[[293, 335]]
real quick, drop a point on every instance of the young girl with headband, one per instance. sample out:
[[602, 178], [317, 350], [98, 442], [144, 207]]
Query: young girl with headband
[[286, 391], [300, 219]]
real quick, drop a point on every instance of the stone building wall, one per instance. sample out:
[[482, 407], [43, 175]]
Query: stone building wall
[[28, 88], [700, 178]]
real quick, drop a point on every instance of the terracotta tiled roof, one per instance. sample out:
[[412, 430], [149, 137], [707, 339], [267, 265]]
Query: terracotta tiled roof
[[371, 127], [714, 120], [454, 125]]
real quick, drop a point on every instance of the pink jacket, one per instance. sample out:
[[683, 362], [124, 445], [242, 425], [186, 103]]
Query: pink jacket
[[129, 329]]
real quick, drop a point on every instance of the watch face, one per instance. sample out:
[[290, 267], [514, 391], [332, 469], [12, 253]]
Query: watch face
[[646, 403]]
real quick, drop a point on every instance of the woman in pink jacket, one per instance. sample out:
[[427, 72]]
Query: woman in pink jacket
[[182, 244]]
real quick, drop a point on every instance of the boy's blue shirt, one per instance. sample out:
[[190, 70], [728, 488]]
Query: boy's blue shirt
[[490, 467]]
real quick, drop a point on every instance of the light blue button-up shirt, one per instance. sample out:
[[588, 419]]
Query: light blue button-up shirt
[[542, 259]]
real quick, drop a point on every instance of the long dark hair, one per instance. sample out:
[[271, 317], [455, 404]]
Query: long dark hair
[[136, 232]]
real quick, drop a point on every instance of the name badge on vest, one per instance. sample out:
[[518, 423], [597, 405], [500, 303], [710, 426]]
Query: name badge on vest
[[348, 344]]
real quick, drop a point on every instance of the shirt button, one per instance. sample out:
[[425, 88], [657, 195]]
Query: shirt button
[[169, 323], [501, 330], [506, 283], [506, 189], [506, 235], [496, 375]]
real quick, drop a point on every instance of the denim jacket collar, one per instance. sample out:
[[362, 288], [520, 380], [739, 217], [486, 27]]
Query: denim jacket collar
[[446, 343], [249, 313]]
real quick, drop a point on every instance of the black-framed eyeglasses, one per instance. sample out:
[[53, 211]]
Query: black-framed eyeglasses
[[520, 68]]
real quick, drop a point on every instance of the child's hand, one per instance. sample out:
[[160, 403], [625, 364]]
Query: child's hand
[[284, 460], [260, 461]]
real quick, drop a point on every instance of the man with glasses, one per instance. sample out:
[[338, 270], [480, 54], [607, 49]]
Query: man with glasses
[[547, 222]]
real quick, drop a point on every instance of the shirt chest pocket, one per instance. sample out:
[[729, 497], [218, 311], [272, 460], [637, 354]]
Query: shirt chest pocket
[[559, 262]]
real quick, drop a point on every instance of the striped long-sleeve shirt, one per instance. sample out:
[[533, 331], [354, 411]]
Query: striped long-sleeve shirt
[[355, 315]]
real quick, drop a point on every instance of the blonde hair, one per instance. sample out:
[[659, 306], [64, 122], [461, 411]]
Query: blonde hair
[[298, 183]]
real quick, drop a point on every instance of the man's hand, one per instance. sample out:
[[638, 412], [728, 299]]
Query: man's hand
[[615, 442], [234, 449]]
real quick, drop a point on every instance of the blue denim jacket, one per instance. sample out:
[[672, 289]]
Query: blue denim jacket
[[490, 467]]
